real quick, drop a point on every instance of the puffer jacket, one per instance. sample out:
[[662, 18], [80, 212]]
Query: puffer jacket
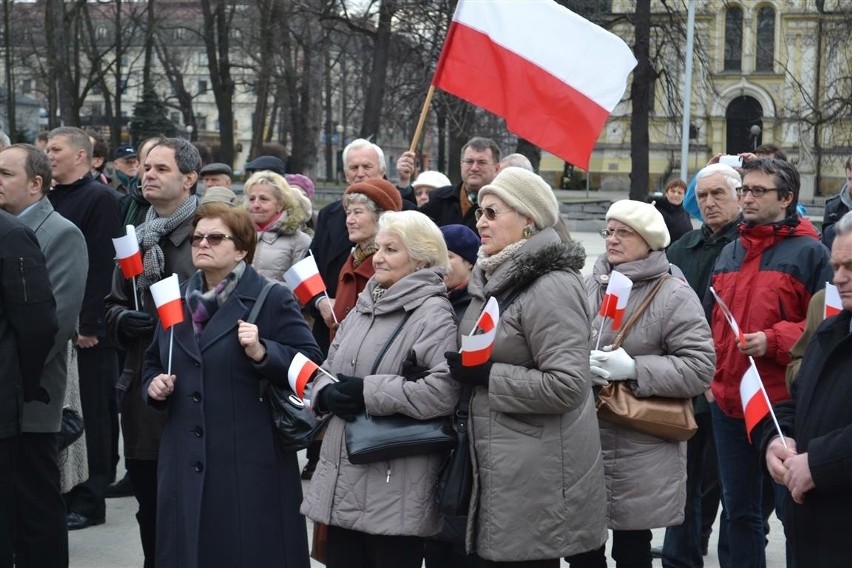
[[395, 497], [279, 247], [538, 476], [673, 350]]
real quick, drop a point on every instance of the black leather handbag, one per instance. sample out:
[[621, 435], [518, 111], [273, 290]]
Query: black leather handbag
[[70, 429], [371, 439], [455, 483]]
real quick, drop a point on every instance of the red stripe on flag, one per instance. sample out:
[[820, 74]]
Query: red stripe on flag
[[305, 374], [131, 266], [755, 410], [535, 104], [831, 311], [309, 288], [171, 313], [473, 358]]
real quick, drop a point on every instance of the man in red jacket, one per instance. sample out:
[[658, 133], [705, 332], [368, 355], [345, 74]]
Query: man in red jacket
[[767, 278]]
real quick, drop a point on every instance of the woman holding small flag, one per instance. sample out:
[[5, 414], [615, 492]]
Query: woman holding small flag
[[667, 352], [227, 495], [538, 475], [379, 513]]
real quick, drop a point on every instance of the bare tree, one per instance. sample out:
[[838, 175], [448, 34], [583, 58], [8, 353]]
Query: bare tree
[[218, 17]]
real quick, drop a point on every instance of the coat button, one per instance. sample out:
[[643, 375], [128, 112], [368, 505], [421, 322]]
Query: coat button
[[604, 277], [198, 431], [198, 467], [196, 396]]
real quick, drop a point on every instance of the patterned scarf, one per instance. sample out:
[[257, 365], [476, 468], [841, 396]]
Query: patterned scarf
[[203, 304], [378, 292], [149, 234], [490, 264], [362, 253]]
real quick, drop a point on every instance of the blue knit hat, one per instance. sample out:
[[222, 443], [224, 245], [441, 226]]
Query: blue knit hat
[[462, 240]]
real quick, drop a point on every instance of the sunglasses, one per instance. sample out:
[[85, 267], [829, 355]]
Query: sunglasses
[[213, 239], [489, 212]]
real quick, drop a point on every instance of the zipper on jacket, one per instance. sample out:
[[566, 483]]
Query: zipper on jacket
[[23, 278], [387, 479]]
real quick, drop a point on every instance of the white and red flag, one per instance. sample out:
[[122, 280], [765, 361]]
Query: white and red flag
[[754, 398], [615, 299], [299, 374], [476, 349], [127, 253], [167, 298], [726, 311], [833, 305], [553, 76], [304, 279]]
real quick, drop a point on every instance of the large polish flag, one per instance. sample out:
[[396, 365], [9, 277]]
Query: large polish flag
[[127, 253], [833, 305], [477, 349], [304, 279], [167, 298], [553, 76], [754, 399], [299, 374], [615, 299], [726, 311]]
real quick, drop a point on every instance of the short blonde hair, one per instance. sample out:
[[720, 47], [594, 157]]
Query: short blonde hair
[[282, 192], [421, 236]]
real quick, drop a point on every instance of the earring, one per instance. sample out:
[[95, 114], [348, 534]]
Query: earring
[[528, 232]]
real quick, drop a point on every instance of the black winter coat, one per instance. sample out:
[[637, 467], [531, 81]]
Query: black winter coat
[[444, 207], [675, 216]]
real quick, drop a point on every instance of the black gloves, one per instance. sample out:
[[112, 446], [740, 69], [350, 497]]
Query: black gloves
[[133, 325], [411, 370], [476, 376], [344, 398]]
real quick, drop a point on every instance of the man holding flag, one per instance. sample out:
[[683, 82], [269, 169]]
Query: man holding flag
[[817, 424], [766, 277], [171, 172]]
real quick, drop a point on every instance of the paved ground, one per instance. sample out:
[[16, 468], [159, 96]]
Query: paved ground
[[116, 543]]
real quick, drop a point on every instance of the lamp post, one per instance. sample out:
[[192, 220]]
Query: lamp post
[[755, 133], [189, 129]]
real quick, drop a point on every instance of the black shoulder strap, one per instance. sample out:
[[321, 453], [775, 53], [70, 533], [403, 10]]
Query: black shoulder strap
[[258, 304], [388, 343]]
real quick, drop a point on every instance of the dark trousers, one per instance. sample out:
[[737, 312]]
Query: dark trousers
[[630, 549], [447, 548], [711, 489], [354, 549], [98, 367], [525, 564], [41, 536], [143, 477], [8, 454]]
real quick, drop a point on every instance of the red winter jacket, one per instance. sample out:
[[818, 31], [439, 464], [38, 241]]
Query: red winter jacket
[[767, 278]]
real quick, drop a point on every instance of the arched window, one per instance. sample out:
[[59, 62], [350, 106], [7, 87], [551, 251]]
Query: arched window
[[734, 39], [765, 52]]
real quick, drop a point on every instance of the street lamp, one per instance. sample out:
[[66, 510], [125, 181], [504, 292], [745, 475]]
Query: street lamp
[[189, 130], [755, 133]]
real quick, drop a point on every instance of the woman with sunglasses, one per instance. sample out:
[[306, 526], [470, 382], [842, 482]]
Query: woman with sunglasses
[[227, 495], [538, 489], [279, 219], [669, 352]]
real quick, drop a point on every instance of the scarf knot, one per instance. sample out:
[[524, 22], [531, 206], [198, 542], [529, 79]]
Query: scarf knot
[[152, 231]]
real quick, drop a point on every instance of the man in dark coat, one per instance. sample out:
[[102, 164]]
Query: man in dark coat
[[94, 208], [171, 172], [836, 207], [27, 328], [41, 537], [817, 425]]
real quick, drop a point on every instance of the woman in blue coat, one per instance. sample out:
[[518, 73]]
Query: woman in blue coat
[[228, 496]]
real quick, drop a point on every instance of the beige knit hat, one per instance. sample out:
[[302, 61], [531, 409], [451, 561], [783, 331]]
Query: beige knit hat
[[525, 192], [644, 219]]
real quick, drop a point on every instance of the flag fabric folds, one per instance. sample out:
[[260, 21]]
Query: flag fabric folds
[[477, 349], [167, 298], [127, 253], [300, 372], [754, 398], [833, 305], [726, 311], [304, 279], [553, 76], [615, 299]]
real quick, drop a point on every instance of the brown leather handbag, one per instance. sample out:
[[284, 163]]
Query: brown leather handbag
[[660, 416]]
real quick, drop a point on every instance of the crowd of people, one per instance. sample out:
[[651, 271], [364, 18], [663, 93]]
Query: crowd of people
[[409, 270]]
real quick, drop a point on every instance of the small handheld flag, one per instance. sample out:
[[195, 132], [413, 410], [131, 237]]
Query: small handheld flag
[[477, 349], [127, 253], [304, 279], [300, 372], [615, 299], [167, 298], [755, 401], [726, 311], [833, 305]]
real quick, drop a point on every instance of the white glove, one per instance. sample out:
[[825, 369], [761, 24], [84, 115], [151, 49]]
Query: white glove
[[612, 365]]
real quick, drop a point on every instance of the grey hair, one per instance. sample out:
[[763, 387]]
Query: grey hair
[[422, 238], [786, 178], [362, 143], [481, 144], [844, 226], [516, 161], [77, 138], [361, 199], [731, 176]]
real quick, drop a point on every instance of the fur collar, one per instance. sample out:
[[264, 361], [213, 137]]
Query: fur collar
[[549, 258]]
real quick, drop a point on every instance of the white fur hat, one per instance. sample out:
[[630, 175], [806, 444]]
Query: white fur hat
[[525, 192], [642, 218]]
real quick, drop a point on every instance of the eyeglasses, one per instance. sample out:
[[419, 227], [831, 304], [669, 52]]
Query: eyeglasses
[[468, 163], [756, 191], [620, 234], [213, 239], [489, 212]]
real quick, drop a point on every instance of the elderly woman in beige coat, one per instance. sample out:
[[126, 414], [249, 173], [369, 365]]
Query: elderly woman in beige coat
[[538, 475], [379, 513], [669, 352]]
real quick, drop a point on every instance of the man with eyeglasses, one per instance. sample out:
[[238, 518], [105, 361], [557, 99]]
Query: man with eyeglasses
[[767, 278], [455, 204], [171, 173]]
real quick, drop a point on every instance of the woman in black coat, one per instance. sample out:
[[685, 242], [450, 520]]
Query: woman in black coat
[[670, 205], [228, 496]]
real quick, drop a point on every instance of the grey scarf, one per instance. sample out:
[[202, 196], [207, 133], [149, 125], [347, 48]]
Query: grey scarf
[[149, 234]]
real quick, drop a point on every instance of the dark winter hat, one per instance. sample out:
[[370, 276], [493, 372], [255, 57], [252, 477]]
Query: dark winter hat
[[271, 163], [381, 192], [124, 152], [216, 168], [462, 240]]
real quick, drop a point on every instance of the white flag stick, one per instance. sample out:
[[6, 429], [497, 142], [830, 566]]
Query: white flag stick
[[768, 403], [171, 345], [135, 297], [600, 333]]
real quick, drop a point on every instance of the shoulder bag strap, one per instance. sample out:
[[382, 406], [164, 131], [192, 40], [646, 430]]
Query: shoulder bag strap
[[634, 317], [388, 343], [258, 304]]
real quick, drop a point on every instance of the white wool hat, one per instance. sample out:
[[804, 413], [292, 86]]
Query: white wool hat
[[433, 179], [642, 218], [525, 192]]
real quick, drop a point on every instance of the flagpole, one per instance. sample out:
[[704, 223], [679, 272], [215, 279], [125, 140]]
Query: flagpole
[[171, 343], [325, 293], [329, 375], [135, 298], [768, 402], [422, 120]]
